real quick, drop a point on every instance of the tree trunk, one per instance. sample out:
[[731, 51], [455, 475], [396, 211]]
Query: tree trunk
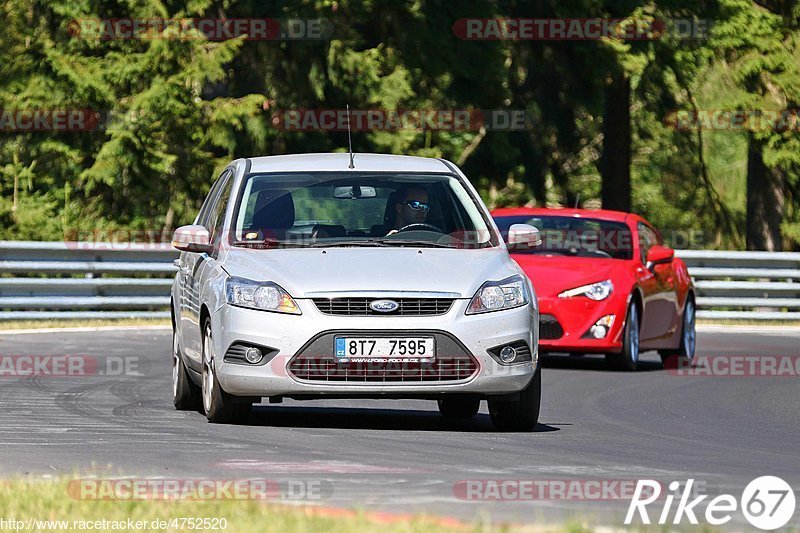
[[166, 230], [533, 164], [766, 195], [615, 163]]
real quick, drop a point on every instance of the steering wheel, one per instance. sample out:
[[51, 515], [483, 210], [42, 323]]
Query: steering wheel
[[419, 226]]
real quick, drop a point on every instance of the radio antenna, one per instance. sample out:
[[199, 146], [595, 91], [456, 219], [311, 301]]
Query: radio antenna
[[349, 141], [577, 200]]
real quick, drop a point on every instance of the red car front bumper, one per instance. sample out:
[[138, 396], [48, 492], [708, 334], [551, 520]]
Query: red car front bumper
[[565, 324]]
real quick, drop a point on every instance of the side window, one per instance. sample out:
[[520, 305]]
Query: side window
[[217, 211], [647, 239], [205, 210]]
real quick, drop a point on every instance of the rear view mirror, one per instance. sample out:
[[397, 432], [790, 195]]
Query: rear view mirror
[[353, 192], [523, 237], [192, 238]]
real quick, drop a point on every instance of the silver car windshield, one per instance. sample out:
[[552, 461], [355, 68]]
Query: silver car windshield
[[328, 209]]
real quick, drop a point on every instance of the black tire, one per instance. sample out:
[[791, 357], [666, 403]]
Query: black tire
[[688, 341], [186, 396], [218, 406], [521, 414], [629, 358], [459, 408]]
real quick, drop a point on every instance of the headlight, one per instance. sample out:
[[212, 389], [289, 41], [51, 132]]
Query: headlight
[[264, 296], [594, 291], [497, 295]]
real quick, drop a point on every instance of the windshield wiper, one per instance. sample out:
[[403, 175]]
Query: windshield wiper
[[409, 242], [369, 243], [267, 244]]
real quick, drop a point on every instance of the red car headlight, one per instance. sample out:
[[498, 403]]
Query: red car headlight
[[594, 291]]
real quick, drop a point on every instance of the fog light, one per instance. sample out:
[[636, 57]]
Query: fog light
[[253, 355], [602, 327], [508, 354]]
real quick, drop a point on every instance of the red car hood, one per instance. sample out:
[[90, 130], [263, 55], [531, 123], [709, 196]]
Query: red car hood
[[554, 274]]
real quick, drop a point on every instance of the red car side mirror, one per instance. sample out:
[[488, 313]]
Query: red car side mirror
[[659, 255]]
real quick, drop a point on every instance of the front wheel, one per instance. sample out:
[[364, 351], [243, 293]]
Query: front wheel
[[218, 405], [521, 414], [629, 358], [185, 394]]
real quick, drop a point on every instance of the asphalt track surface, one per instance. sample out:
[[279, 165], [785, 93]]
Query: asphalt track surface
[[402, 456]]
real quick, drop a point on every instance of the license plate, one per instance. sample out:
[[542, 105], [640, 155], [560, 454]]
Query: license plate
[[420, 349]]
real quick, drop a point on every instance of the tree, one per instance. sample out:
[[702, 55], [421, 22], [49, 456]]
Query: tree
[[763, 54], [163, 138], [615, 165], [766, 199]]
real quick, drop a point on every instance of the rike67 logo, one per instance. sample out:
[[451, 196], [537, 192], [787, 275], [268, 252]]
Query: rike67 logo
[[767, 502]]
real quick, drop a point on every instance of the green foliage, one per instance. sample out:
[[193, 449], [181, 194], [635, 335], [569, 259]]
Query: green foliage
[[179, 109], [164, 136]]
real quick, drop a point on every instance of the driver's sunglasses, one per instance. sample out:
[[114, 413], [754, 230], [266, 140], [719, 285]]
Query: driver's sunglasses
[[416, 206]]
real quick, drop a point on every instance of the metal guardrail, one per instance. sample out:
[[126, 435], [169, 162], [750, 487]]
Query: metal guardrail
[[745, 285], [52, 280], [78, 280]]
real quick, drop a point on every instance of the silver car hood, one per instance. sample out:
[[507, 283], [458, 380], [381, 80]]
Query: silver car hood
[[307, 273]]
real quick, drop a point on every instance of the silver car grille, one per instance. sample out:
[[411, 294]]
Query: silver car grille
[[361, 306]]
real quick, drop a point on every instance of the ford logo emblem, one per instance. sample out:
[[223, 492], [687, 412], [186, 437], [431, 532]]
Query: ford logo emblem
[[384, 306]]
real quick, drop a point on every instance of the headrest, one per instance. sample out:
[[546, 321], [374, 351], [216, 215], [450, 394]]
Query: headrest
[[274, 209]]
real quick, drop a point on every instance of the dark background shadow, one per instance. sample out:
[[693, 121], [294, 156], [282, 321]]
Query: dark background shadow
[[374, 419], [596, 362]]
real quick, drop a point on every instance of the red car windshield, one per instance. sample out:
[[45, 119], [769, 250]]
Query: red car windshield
[[573, 236]]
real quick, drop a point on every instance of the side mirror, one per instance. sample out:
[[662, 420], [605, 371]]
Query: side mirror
[[192, 238], [659, 255], [523, 237]]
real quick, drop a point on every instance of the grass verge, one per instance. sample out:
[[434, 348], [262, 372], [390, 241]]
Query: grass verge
[[43, 500], [38, 324], [747, 323]]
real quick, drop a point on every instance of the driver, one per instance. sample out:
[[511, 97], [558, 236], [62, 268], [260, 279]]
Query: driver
[[411, 208]]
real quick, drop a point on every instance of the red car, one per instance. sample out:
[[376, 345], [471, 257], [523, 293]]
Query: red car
[[606, 284]]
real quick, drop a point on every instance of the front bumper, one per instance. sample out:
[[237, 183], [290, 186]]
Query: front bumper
[[574, 318], [288, 335]]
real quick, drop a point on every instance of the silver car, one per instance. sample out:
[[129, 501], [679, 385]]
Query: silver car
[[316, 276]]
